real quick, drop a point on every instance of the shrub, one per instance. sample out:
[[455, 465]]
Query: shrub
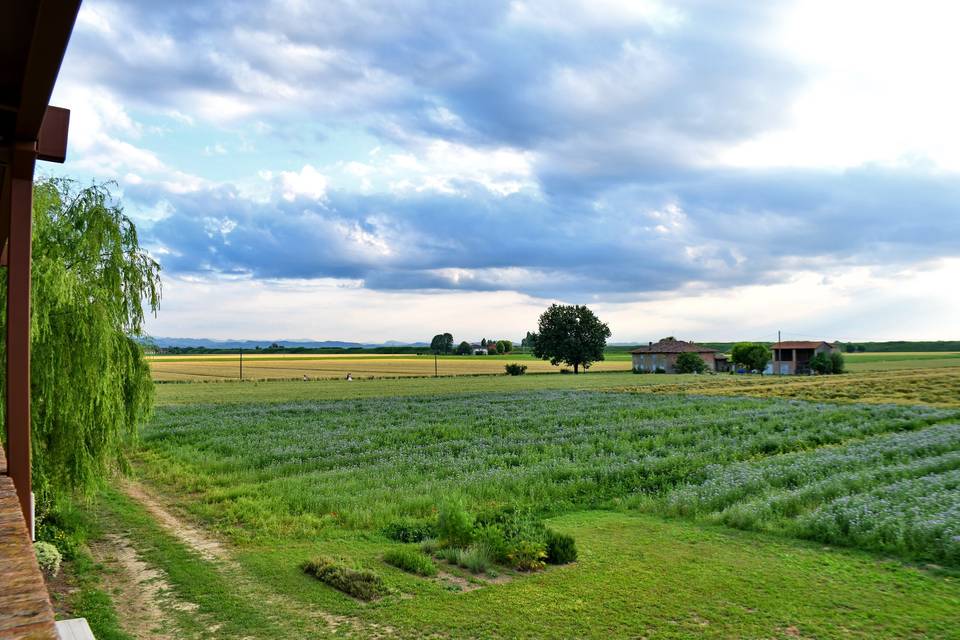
[[491, 537], [660, 370], [821, 363], [528, 555], [690, 363], [836, 359], [409, 530], [48, 557], [454, 526], [515, 369], [561, 548], [359, 583], [410, 561], [475, 559]]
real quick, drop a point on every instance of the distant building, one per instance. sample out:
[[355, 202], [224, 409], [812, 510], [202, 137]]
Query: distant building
[[478, 349], [794, 357], [663, 355]]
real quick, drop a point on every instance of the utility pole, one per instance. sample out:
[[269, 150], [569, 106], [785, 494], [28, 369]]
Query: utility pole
[[436, 368], [778, 372], [241, 363]]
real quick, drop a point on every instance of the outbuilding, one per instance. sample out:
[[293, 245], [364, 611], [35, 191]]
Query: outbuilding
[[794, 357]]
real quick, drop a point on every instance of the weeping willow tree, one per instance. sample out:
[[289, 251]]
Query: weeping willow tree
[[90, 382]]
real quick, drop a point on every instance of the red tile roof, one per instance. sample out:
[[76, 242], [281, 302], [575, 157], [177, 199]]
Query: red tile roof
[[800, 344], [674, 346]]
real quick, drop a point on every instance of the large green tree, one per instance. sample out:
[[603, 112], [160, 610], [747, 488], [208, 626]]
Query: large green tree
[[571, 335], [90, 382], [753, 356]]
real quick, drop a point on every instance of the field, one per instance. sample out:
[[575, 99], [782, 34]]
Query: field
[[286, 367], [206, 368], [703, 506]]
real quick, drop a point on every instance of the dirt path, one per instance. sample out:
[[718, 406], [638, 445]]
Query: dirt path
[[209, 548], [213, 551], [143, 596]]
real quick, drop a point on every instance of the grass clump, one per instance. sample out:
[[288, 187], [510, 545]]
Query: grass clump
[[362, 584], [411, 561]]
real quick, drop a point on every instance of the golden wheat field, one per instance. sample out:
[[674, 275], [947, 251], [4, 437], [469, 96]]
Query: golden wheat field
[[932, 386], [287, 367]]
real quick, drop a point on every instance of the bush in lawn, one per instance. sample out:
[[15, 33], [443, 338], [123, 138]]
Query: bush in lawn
[[359, 583], [475, 559], [409, 530], [454, 526], [48, 557], [528, 555], [410, 561], [690, 363], [561, 548], [490, 536], [515, 369]]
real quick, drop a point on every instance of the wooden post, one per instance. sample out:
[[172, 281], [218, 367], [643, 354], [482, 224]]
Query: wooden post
[[18, 330]]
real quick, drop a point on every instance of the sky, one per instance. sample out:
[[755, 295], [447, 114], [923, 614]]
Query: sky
[[392, 169]]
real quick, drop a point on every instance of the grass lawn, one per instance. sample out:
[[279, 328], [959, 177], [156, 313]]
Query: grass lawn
[[637, 576]]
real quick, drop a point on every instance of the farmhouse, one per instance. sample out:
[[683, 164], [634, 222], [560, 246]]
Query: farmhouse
[[478, 349], [794, 357], [663, 356]]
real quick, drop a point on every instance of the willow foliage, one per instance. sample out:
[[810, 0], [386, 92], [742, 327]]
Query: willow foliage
[[90, 381]]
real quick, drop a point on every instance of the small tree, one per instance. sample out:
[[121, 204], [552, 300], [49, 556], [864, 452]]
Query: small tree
[[821, 363], [690, 363], [752, 355], [572, 335], [507, 346], [836, 359], [464, 349]]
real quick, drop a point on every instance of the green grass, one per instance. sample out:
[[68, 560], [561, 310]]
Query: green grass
[[235, 392], [636, 576], [291, 471]]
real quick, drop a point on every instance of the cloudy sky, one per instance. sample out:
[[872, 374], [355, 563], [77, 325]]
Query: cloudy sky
[[389, 169]]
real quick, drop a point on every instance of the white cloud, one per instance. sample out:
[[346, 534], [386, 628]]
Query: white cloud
[[307, 182], [878, 88]]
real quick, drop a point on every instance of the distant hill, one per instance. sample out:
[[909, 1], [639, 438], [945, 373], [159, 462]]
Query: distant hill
[[208, 345]]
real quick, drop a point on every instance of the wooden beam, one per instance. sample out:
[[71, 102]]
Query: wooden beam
[[18, 330], [52, 140], [51, 32]]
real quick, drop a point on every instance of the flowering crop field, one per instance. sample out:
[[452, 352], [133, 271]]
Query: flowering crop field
[[357, 464]]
